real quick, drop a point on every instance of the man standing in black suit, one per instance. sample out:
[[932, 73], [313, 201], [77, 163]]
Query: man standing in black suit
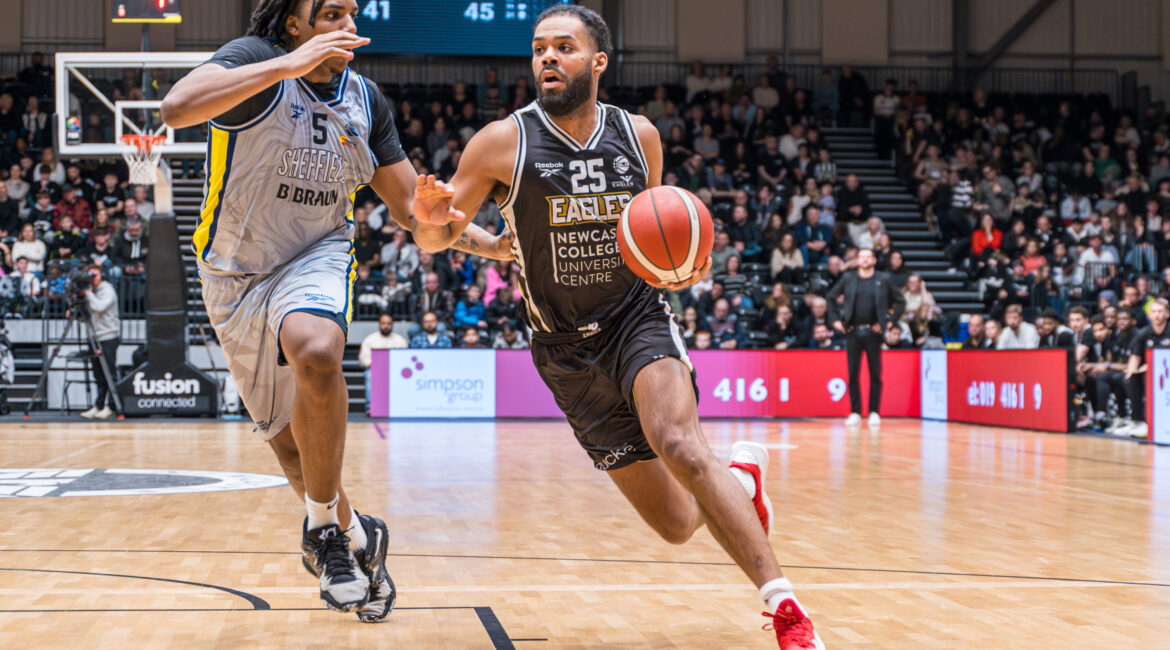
[[871, 303]]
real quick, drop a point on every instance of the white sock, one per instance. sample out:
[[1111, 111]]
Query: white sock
[[746, 480], [356, 532], [321, 514], [776, 592]]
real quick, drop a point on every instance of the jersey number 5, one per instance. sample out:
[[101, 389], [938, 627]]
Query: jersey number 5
[[319, 128], [587, 176]]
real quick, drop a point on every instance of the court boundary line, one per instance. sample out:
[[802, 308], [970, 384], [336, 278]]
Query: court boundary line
[[954, 574], [484, 614], [256, 602]]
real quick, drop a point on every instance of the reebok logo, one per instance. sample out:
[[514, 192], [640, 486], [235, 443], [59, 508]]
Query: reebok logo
[[549, 169]]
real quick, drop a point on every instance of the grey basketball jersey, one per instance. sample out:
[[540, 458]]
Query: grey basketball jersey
[[284, 180]]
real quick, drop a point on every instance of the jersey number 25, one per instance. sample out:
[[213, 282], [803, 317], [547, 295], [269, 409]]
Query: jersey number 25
[[587, 176]]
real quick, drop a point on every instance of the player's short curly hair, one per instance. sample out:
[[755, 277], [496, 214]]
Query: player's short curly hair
[[271, 18], [595, 24]]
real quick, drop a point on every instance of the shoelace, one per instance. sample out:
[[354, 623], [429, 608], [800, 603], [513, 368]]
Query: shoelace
[[334, 555], [792, 625]]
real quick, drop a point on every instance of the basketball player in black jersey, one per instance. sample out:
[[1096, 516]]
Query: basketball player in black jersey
[[561, 171]]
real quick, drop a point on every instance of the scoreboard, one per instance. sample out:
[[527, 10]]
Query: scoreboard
[[147, 11], [450, 27]]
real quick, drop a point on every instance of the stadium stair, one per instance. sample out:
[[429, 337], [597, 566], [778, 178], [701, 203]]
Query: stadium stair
[[188, 196], [29, 359], [854, 152]]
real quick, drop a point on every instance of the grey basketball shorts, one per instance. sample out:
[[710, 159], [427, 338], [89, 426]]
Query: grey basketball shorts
[[247, 312]]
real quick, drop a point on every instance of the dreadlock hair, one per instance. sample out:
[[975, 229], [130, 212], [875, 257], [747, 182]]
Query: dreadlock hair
[[594, 23], [270, 19]]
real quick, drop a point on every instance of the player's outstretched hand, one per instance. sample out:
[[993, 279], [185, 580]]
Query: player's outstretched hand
[[432, 202], [302, 60], [696, 276]]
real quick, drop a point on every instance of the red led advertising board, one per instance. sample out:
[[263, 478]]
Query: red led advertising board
[[1011, 388], [798, 383]]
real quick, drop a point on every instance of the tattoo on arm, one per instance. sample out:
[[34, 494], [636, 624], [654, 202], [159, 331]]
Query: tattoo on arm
[[467, 243]]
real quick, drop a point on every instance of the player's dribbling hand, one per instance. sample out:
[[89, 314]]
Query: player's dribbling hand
[[305, 58], [697, 276], [432, 202], [503, 246]]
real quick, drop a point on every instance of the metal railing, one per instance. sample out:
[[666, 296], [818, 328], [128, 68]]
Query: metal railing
[[51, 307]]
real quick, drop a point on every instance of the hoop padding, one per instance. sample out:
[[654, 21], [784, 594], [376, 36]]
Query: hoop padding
[[142, 157]]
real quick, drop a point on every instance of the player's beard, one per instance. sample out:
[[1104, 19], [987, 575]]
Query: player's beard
[[336, 64], [576, 92]]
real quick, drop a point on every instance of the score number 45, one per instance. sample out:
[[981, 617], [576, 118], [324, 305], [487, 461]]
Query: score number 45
[[476, 11], [740, 390]]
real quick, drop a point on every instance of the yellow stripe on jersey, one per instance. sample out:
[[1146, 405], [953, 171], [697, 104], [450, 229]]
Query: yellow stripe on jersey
[[352, 196], [217, 168], [351, 280]]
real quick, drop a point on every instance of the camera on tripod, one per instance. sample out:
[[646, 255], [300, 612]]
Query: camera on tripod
[[77, 283]]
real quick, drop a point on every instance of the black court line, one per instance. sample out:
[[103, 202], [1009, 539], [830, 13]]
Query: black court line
[[255, 601], [426, 555], [958, 574], [494, 629], [487, 618]]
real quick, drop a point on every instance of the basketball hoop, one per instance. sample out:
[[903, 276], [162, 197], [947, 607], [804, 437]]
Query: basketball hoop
[[142, 157]]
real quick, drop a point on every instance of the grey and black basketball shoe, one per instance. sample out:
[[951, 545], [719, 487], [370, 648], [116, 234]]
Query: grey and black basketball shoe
[[372, 560], [344, 586]]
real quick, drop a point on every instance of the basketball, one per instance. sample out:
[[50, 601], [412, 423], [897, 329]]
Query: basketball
[[664, 233]]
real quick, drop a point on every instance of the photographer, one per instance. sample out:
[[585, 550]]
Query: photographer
[[102, 303]]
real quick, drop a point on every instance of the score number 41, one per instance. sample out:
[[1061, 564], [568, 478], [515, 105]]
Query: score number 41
[[482, 12], [740, 390]]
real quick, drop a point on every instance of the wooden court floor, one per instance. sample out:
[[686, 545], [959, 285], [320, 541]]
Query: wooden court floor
[[926, 535]]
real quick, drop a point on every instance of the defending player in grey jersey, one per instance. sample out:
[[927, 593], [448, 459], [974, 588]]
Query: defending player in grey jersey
[[293, 134]]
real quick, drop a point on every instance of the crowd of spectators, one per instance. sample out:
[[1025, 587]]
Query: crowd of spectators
[[58, 215], [1043, 204]]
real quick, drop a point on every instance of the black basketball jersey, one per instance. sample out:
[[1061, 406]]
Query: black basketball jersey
[[564, 205]]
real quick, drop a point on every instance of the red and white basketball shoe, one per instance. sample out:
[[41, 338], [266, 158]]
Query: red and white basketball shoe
[[752, 458], [794, 631]]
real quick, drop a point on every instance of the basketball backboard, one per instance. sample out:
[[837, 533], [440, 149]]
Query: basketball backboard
[[103, 95]]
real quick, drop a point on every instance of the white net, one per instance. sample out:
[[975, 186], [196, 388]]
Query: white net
[[142, 157]]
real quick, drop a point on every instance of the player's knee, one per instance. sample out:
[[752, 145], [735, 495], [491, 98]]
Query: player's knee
[[683, 451], [316, 359], [675, 531], [675, 536]]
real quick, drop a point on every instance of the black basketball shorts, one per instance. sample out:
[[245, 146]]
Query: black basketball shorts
[[592, 380]]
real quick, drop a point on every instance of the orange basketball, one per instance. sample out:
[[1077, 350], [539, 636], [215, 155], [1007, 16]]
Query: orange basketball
[[664, 234]]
